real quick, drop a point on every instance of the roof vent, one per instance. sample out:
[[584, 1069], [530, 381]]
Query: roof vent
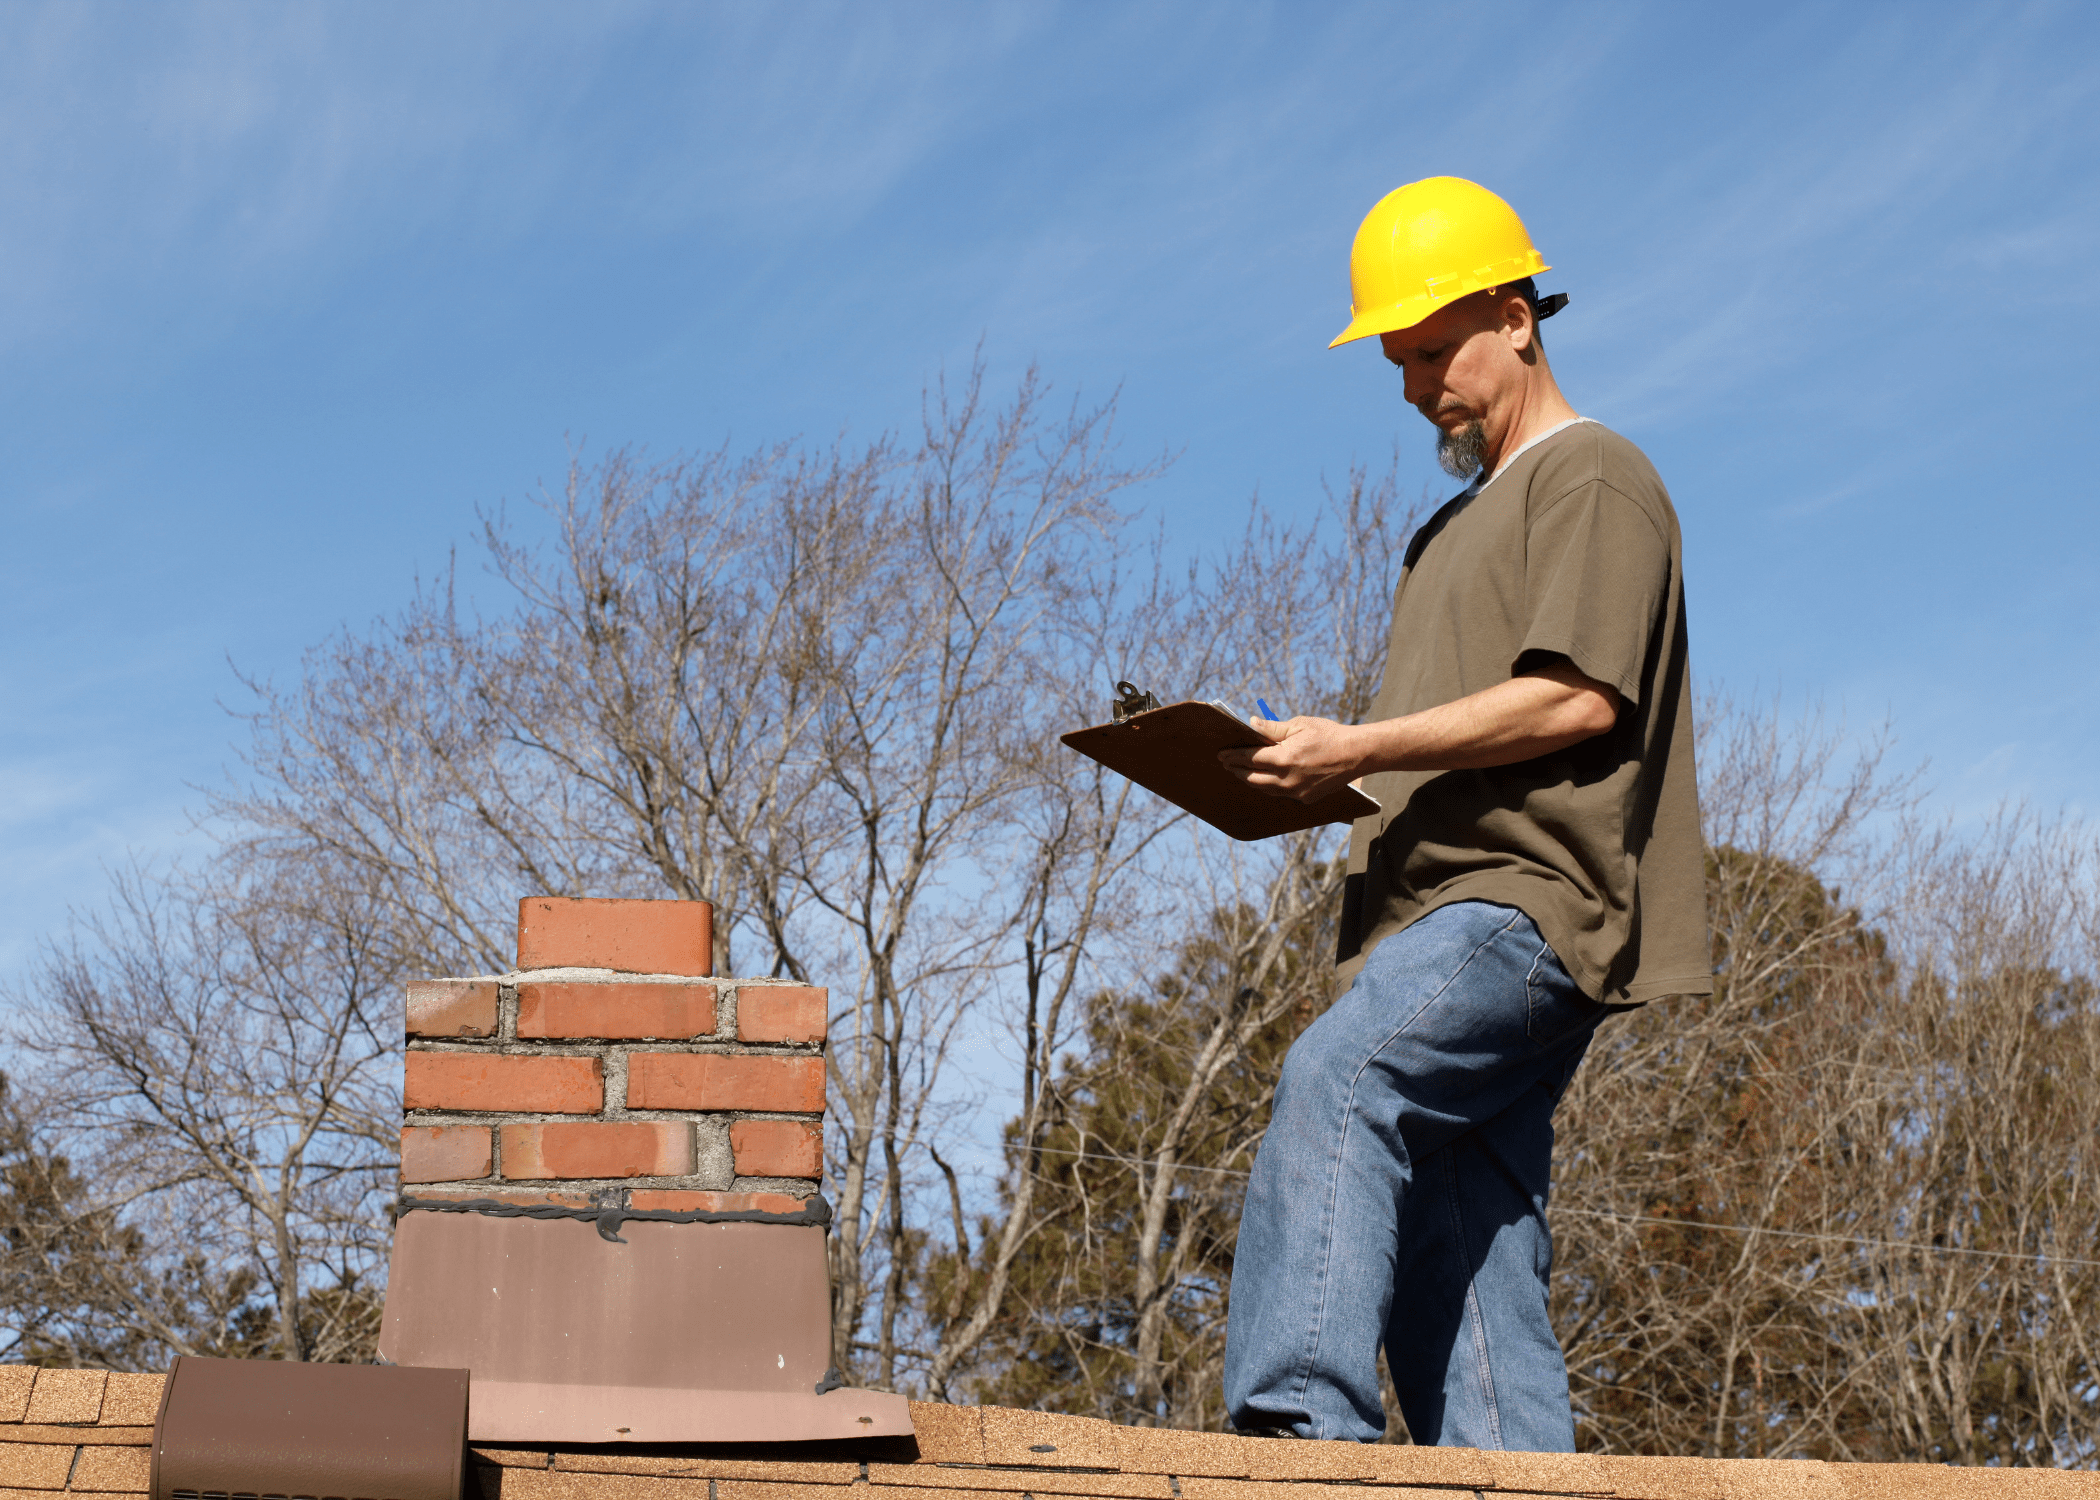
[[239, 1429]]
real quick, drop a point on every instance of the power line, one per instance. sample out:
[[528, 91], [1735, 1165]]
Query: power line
[[1605, 1213]]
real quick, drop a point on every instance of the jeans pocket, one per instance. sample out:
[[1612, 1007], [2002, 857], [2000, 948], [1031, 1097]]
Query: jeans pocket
[[1555, 1006]]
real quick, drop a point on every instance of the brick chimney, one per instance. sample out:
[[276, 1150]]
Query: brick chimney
[[609, 1167]]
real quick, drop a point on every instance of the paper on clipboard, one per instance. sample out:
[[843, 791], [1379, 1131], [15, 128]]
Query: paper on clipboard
[[1173, 751]]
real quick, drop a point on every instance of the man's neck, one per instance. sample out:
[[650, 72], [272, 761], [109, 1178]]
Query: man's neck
[[1540, 408]]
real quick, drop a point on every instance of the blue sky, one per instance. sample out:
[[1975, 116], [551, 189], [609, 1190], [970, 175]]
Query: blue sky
[[287, 290]]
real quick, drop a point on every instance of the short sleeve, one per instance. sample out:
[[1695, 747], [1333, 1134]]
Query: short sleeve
[[1596, 578]]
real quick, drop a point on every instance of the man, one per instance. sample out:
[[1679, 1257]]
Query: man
[[1536, 864]]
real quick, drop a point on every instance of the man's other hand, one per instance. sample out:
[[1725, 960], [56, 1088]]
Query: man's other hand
[[1311, 757]]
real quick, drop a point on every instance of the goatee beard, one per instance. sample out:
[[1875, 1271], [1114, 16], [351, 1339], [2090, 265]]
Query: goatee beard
[[1463, 453]]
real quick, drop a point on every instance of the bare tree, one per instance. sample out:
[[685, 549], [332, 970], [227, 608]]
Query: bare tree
[[1845, 1209], [815, 689], [1299, 615], [222, 1061], [1975, 1312], [1692, 1112]]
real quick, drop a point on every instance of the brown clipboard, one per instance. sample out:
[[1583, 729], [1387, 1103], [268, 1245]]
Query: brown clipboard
[[1174, 751]]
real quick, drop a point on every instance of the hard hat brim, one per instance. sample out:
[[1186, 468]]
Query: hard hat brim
[[1381, 320], [1409, 311]]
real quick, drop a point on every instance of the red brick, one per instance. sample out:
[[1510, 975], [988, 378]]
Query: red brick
[[681, 1201], [701, 1080], [777, 1148], [445, 1153], [643, 1148], [481, 1080], [452, 1007], [660, 1012], [633, 937], [780, 1013]]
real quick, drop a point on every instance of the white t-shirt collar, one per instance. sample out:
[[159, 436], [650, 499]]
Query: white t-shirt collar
[[1482, 482]]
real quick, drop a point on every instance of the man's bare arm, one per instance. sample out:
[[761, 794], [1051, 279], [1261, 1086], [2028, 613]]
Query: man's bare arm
[[1532, 714]]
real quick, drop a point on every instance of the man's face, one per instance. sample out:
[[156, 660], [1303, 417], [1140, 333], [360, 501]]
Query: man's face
[[1462, 360]]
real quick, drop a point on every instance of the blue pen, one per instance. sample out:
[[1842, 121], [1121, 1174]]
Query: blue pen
[[1266, 711]]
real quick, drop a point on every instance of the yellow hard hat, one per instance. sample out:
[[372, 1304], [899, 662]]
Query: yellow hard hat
[[1425, 245]]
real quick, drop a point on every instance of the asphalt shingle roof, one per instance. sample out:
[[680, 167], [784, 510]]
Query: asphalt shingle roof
[[84, 1432]]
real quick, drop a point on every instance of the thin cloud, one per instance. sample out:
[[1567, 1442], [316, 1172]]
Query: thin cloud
[[1766, 236]]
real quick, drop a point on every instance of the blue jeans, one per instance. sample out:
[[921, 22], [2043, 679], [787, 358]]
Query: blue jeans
[[1400, 1195]]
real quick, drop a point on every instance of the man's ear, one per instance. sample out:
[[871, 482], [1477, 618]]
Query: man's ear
[[1519, 325]]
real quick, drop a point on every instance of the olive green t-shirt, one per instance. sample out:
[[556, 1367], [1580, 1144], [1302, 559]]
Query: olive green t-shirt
[[1570, 552]]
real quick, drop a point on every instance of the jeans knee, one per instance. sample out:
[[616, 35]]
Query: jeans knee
[[1321, 1062]]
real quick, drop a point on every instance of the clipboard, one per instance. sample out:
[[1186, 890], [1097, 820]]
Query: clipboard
[[1173, 751]]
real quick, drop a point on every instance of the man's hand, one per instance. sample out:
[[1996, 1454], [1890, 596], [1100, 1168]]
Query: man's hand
[[1311, 757], [1532, 714]]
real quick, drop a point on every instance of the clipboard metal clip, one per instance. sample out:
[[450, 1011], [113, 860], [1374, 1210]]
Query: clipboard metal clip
[[1130, 701]]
